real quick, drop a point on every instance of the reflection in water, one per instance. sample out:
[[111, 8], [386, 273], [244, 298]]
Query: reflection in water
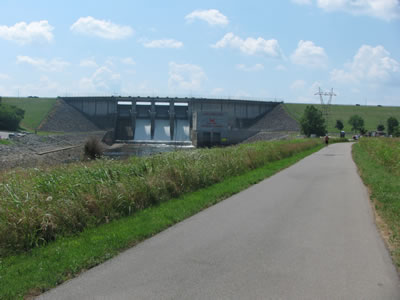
[[126, 150]]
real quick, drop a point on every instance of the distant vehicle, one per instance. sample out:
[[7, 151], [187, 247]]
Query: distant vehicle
[[11, 135]]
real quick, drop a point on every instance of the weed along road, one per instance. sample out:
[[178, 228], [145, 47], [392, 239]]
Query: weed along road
[[306, 233]]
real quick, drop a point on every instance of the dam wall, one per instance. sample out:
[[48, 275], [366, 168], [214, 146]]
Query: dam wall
[[201, 121]]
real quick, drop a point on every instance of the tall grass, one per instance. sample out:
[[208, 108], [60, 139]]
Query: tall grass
[[385, 151], [379, 162], [37, 206]]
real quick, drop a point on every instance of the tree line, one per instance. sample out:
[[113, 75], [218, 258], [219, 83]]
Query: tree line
[[313, 122]]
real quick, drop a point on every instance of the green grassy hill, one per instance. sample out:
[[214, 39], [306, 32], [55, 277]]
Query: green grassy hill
[[36, 109], [372, 115]]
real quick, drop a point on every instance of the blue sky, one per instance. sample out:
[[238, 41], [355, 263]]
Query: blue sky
[[253, 49]]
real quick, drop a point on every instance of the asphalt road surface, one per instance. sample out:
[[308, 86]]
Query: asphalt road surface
[[305, 233]]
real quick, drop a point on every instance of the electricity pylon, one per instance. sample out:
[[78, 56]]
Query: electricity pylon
[[325, 105]]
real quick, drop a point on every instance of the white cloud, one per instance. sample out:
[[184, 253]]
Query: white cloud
[[383, 9], [250, 46], [24, 33], [101, 28], [128, 61], [314, 87], [211, 16], [111, 61], [164, 43], [102, 80], [54, 65], [186, 76], [4, 76], [88, 62], [254, 68], [308, 54], [372, 64], [298, 84], [302, 2]]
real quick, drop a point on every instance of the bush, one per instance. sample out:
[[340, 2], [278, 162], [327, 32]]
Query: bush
[[339, 124], [392, 123], [380, 127], [10, 117], [93, 148]]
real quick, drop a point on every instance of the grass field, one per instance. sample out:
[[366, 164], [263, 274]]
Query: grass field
[[36, 109], [378, 160], [372, 115]]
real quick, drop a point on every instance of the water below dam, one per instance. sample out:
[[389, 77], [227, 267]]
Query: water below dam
[[121, 151]]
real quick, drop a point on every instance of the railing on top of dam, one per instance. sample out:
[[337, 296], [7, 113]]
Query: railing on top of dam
[[177, 97]]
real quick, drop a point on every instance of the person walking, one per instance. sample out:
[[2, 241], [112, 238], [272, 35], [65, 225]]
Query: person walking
[[326, 140]]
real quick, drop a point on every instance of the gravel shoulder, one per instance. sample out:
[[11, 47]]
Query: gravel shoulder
[[33, 150]]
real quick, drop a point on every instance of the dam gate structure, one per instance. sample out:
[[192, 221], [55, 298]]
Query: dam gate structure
[[197, 121]]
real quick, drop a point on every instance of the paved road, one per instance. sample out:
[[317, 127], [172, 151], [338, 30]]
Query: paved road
[[306, 233]]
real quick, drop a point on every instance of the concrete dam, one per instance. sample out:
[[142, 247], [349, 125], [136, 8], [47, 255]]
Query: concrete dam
[[201, 121]]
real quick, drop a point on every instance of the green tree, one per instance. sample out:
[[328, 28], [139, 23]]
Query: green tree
[[396, 131], [312, 122], [10, 117], [392, 123], [339, 125], [357, 123], [380, 127]]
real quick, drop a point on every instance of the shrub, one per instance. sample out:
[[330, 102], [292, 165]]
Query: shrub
[[392, 123], [339, 124], [10, 117], [93, 148], [380, 127]]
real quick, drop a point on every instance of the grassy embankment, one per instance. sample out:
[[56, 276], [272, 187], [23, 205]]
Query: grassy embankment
[[36, 110], [372, 115], [379, 163], [77, 211]]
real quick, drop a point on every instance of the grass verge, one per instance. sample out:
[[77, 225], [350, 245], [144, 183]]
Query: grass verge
[[380, 170], [38, 206], [43, 268]]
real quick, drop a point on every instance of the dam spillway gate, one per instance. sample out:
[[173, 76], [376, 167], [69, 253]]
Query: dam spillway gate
[[160, 122]]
